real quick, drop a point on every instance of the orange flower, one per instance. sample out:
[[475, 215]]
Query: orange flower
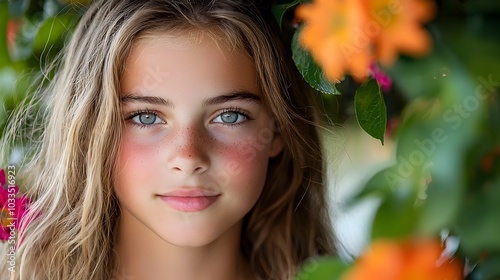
[[333, 34], [409, 260], [396, 25], [347, 35]]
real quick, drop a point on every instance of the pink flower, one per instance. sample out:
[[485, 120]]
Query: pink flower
[[2, 177], [383, 80], [12, 207]]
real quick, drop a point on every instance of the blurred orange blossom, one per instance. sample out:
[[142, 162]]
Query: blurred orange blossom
[[348, 35], [405, 260]]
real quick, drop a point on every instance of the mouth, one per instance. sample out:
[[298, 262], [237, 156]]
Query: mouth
[[190, 200]]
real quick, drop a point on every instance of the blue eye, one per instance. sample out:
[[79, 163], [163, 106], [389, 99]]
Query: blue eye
[[230, 117], [144, 118]]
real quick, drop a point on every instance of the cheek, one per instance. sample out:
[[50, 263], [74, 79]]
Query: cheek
[[244, 166], [134, 164]]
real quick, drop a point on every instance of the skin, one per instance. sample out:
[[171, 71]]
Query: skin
[[186, 144]]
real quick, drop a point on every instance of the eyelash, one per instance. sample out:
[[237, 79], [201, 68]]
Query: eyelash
[[238, 111], [134, 114], [140, 112]]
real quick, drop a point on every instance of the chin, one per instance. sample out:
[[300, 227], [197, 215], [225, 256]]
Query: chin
[[182, 242], [189, 237]]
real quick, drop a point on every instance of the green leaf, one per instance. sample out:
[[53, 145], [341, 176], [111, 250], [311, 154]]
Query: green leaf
[[381, 184], [398, 213], [478, 225], [280, 10], [396, 217], [322, 269], [371, 113], [311, 72], [4, 52], [52, 32]]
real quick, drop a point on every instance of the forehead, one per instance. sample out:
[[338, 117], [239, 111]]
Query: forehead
[[187, 62]]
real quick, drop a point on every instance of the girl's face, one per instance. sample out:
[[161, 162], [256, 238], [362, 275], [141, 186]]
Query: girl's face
[[196, 139]]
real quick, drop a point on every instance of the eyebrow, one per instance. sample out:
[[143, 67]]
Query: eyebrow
[[132, 98], [154, 100]]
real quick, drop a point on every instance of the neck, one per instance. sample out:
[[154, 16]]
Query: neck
[[144, 255]]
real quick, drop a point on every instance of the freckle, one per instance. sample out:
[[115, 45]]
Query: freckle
[[189, 155]]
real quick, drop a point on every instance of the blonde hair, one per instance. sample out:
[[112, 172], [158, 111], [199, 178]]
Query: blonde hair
[[74, 211]]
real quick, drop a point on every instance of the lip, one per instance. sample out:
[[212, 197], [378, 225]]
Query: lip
[[189, 200]]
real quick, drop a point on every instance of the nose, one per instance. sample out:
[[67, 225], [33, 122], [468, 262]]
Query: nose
[[189, 154]]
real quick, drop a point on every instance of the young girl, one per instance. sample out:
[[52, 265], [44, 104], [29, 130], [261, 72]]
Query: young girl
[[179, 143]]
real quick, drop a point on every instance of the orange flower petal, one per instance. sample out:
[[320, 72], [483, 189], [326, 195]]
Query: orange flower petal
[[392, 260], [362, 31], [334, 36], [400, 28], [416, 42]]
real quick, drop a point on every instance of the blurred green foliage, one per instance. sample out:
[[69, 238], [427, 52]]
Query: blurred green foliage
[[446, 175], [31, 34]]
